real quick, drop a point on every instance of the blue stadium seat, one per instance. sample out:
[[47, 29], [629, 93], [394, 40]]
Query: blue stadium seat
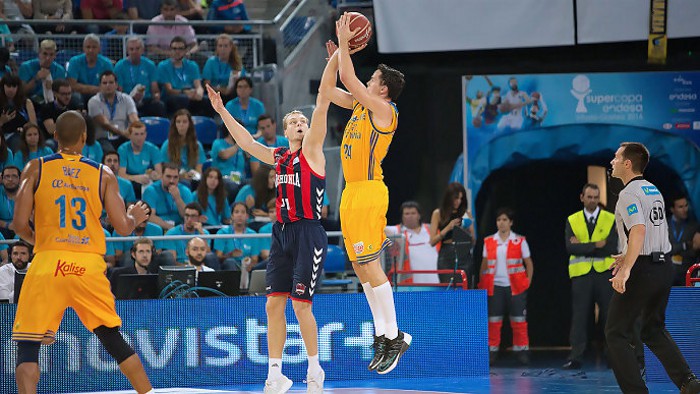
[[335, 260], [207, 130], [64, 55], [157, 129], [335, 264]]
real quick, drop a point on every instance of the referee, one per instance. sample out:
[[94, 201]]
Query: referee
[[642, 277]]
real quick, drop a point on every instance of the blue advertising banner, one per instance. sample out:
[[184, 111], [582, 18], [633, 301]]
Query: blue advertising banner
[[512, 119], [209, 342], [498, 104]]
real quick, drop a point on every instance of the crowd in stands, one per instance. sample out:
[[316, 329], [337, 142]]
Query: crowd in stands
[[192, 187], [65, 11]]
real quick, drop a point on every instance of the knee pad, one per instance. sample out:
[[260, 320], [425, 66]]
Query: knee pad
[[114, 343], [27, 352]]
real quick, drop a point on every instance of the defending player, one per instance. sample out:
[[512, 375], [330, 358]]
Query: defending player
[[365, 199], [65, 194], [299, 242]]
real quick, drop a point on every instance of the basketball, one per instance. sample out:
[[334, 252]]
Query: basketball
[[359, 21]]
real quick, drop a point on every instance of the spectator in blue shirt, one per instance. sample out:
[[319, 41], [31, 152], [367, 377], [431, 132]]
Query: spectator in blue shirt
[[191, 226], [137, 77], [140, 161], [237, 253], [182, 147], [267, 128], [126, 189], [211, 195], [38, 74], [229, 10], [246, 108], [167, 198], [84, 70], [145, 229], [31, 145], [181, 80], [8, 192], [222, 70]]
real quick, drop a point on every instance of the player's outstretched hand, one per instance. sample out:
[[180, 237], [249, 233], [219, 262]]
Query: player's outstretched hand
[[331, 47], [215, 97], [139, 211]]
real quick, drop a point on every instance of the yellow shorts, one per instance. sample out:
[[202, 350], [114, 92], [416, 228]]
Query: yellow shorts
[[57, 280], [363, 218]]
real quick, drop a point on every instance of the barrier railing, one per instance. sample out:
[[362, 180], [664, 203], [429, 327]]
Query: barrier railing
[[461, 273]]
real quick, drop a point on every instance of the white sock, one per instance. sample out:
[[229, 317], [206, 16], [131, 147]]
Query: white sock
[[314, 366], [274, 368], [377, 315], [385, 301], [152, 391]]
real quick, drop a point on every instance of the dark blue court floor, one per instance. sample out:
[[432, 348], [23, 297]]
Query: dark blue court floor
[[544, 375]]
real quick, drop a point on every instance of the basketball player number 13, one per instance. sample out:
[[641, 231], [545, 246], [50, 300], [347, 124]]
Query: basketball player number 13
[[77, 203]]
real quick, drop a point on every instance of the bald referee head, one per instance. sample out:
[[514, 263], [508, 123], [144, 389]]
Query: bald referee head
[[71, 130]]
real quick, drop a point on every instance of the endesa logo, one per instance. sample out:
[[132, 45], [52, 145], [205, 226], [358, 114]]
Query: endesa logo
[[65, 269]]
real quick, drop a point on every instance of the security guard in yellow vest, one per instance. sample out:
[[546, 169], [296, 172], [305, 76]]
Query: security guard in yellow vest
[[591, 243]]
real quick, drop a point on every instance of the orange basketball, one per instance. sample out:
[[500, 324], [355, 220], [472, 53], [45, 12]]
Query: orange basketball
[[359, 21]]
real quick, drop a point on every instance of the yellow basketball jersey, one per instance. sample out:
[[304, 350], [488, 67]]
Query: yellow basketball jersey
[[365, 145], [68, 205]]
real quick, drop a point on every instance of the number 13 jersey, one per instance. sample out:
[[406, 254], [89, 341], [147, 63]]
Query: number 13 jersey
[[365, 145], [68, 204]]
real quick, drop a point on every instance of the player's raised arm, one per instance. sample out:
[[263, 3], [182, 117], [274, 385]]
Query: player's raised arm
[[380, 108], [24, 201], [238, 132], [123, 222], [312, 145], [329, 80]]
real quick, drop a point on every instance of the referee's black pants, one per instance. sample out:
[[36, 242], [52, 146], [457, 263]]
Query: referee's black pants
[[647, 291]]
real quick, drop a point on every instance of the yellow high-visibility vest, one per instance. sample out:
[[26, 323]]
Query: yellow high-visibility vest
[[581, 265]]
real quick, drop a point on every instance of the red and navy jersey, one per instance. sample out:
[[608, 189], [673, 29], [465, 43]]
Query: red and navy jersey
[[299, 189]]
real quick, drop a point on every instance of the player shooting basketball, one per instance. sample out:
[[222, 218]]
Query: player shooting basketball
[[365, 199]]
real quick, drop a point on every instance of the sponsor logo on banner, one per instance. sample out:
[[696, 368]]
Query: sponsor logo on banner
[[667, 126], [683, 126], [682, 97], [608, 107], [580, 88], [679, 79], [696, 125]]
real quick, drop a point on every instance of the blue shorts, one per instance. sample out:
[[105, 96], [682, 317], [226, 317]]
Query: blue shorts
[[297, 254]]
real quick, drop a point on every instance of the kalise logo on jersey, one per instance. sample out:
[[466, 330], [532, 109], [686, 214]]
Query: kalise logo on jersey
[[65, 269]]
